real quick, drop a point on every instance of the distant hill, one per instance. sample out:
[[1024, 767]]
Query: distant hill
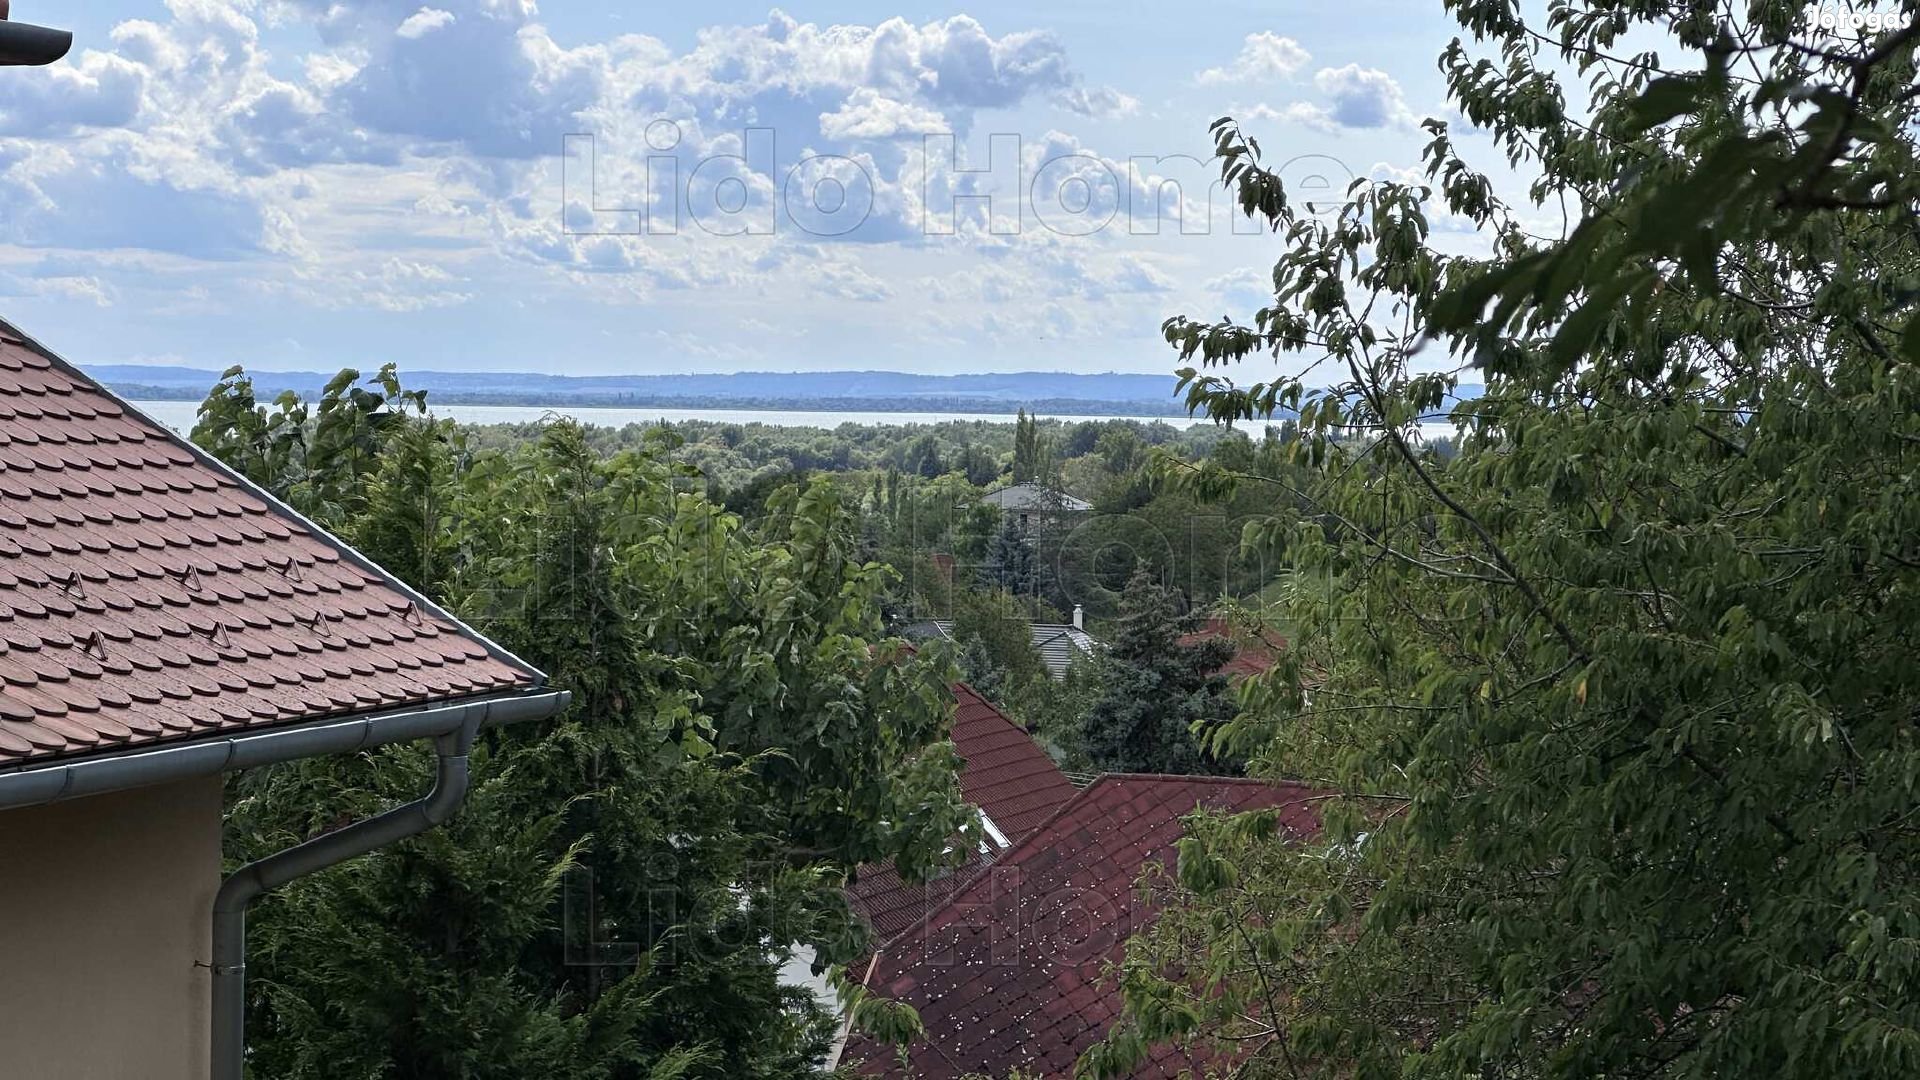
[[1010, 388], [1051, 392]]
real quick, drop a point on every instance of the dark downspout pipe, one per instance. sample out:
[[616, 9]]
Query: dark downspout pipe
[[249, 882]]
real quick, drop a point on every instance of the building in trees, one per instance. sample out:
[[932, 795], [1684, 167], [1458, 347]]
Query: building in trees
[[1027, 504], [1058, 645], [1008, 974]]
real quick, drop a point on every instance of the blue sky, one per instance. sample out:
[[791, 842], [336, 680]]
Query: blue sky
[[586, 187]]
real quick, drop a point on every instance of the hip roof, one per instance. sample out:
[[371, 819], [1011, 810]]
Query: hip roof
[[150, 595]]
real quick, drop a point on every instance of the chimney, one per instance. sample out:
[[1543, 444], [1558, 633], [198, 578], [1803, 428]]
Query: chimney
[[1079, 617]]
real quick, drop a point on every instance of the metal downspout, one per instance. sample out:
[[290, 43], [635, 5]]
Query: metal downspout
[[229, 1050]]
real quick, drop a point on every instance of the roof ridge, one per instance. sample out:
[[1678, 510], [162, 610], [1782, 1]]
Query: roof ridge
[[1019, 846], [1207, 778], [990, 704], [275, 505]]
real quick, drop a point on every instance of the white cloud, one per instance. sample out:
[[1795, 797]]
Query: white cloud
[[1359, 97], [1097, 101], [424, 22], [100, 90], [1243, 286], [1264, 57], [950, 65], [120, 200], [845, 280], [484, 78], [88, 289], [411, 160], [867, 114]]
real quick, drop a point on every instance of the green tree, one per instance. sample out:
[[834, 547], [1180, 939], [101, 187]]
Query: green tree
[[1009, 565], [1622, 697], [1160, 698], [1026, 449], [406, 525], [923, 457], [617, 897], [995, 639], [315, 455]]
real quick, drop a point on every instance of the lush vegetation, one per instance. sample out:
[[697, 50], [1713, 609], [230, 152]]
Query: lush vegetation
[[1620, 715], [1611, 702], [616, 897]]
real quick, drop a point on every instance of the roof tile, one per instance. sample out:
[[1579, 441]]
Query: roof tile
[[147, 595], [1006, 774], [1007, 973]]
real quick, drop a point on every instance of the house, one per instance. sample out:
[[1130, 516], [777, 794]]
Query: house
[[163, 622], [1029, 501], [1251, 655], [1005, 774], [1007, 973], [1011, 783], [1059, 644]]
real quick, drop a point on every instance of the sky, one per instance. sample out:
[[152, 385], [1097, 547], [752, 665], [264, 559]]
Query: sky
[[598, 187]]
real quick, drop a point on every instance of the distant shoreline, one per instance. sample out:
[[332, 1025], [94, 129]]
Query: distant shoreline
[[966, 405], [181, 415]]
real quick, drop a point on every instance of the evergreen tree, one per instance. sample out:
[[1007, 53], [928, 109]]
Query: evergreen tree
[[1009, 562], [1161, 698]]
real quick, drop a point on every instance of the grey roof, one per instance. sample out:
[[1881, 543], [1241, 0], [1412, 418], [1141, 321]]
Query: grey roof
[[1057, 643], [1033, 497]]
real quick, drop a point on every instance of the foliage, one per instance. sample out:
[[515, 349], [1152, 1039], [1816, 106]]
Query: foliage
[[995, 643], [1026, 449], [318, 455], [1160, 698], [1055, 710], [1624, 693], [617, 896], [1009, 563]]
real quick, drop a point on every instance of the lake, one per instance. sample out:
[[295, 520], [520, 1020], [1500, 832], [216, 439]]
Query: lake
[[179, 415]]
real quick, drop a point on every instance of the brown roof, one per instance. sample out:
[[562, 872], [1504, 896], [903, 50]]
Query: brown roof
[[1250, 657], [148, 595], [1005, 774], [1007, 974]]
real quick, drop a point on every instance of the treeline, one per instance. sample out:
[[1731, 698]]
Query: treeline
[[618, 893], [938, 403], [731, 454]]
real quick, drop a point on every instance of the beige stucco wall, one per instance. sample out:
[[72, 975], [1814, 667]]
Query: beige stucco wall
[[104, 930]]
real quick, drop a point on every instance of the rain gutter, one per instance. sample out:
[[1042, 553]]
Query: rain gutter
[[453, 727]]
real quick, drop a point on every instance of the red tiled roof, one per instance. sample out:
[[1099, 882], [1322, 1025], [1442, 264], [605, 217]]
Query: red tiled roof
[[149, 596], [1249, 658], [1005, 774], [1007, 973]]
